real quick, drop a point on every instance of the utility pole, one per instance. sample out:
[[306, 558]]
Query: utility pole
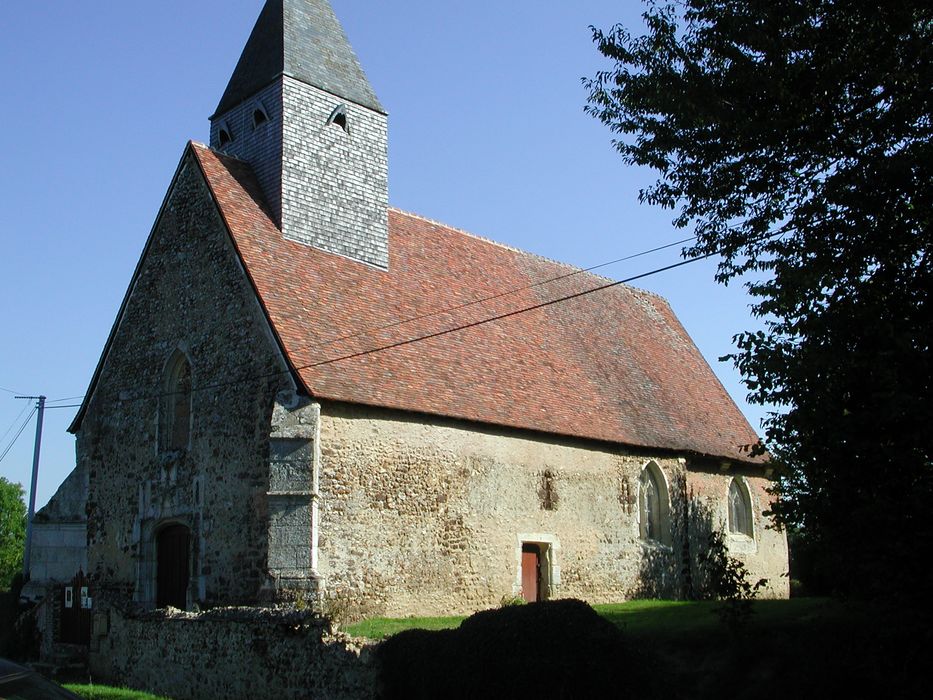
[[35, 477]]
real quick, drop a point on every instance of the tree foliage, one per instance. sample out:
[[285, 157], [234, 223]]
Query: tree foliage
[[12, 531], [794, 137]]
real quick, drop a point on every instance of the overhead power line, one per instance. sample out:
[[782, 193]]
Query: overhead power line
[[492, 297], [67, 398], [499, 317], [15, 420], [18, 433], [435, 334], [474, 302]]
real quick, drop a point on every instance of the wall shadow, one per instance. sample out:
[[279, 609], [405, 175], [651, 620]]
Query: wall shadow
[[690, 567]]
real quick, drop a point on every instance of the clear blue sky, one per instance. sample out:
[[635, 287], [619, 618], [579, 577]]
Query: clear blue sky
[[486, 133]]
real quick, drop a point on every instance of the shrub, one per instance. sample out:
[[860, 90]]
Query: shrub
[[509, 600], [555, 649], [728, 581]]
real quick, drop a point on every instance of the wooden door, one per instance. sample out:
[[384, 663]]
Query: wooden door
[[173, 554], [75, 619], [531, 573]]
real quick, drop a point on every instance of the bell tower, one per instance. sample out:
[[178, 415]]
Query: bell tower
[[301, 112]]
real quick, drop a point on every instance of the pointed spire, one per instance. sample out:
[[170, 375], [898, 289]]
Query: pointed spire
[[304, 40]]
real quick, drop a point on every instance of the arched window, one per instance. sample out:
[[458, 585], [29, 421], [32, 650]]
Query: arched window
[[260, 115], [740, 509], [224, 135], [175, 412], [653, 505], [339, 118]]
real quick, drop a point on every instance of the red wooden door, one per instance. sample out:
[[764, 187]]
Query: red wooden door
[[172, 574], [531, 573]]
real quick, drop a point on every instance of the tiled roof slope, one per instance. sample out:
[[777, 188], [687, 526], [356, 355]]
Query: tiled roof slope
[[304, 40], [615, 365]]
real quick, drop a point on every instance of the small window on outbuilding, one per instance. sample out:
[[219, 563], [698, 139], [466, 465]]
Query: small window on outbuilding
[[175, 408], [339, 118], [260, 115], [740, 509], [654, 507]]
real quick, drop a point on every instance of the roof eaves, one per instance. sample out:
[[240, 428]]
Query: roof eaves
[[736, 457]]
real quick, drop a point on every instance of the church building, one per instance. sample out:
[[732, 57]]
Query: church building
[[308, 393]]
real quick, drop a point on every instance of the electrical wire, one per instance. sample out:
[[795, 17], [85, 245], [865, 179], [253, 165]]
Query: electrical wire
[[429, 336], [508, 314], [9, 391], [67, 398], [18, 433], [458, 307], [15, 421], [491, 297], [454, 329]]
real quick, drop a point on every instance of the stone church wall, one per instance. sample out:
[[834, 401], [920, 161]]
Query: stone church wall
[[422, 515], [765, 554], [190, 295]]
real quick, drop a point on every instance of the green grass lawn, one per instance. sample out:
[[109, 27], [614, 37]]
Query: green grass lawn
[[803, 647], [656, 618], [104, 692], [382, 627], [677, 619]]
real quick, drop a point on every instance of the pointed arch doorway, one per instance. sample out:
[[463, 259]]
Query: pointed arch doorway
[[173, 557]]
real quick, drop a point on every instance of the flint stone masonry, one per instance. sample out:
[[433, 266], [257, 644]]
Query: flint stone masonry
[[422, 515], [231, 653], [189, 294]]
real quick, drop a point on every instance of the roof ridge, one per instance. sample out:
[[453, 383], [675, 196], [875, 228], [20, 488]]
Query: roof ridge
[[537, 256]]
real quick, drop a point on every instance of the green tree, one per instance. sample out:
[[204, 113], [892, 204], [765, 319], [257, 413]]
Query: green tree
[[794, 138], [12, 531]]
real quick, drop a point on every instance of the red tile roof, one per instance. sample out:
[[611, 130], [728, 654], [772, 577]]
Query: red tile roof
[[614, 365]]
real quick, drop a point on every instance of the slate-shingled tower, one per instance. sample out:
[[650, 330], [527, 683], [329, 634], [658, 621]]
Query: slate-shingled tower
[[301, 112]]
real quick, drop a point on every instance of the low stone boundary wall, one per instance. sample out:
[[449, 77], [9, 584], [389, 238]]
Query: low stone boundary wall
[[233, 653]]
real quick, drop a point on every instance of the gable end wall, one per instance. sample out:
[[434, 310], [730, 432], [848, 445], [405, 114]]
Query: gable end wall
[[190, 293]]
